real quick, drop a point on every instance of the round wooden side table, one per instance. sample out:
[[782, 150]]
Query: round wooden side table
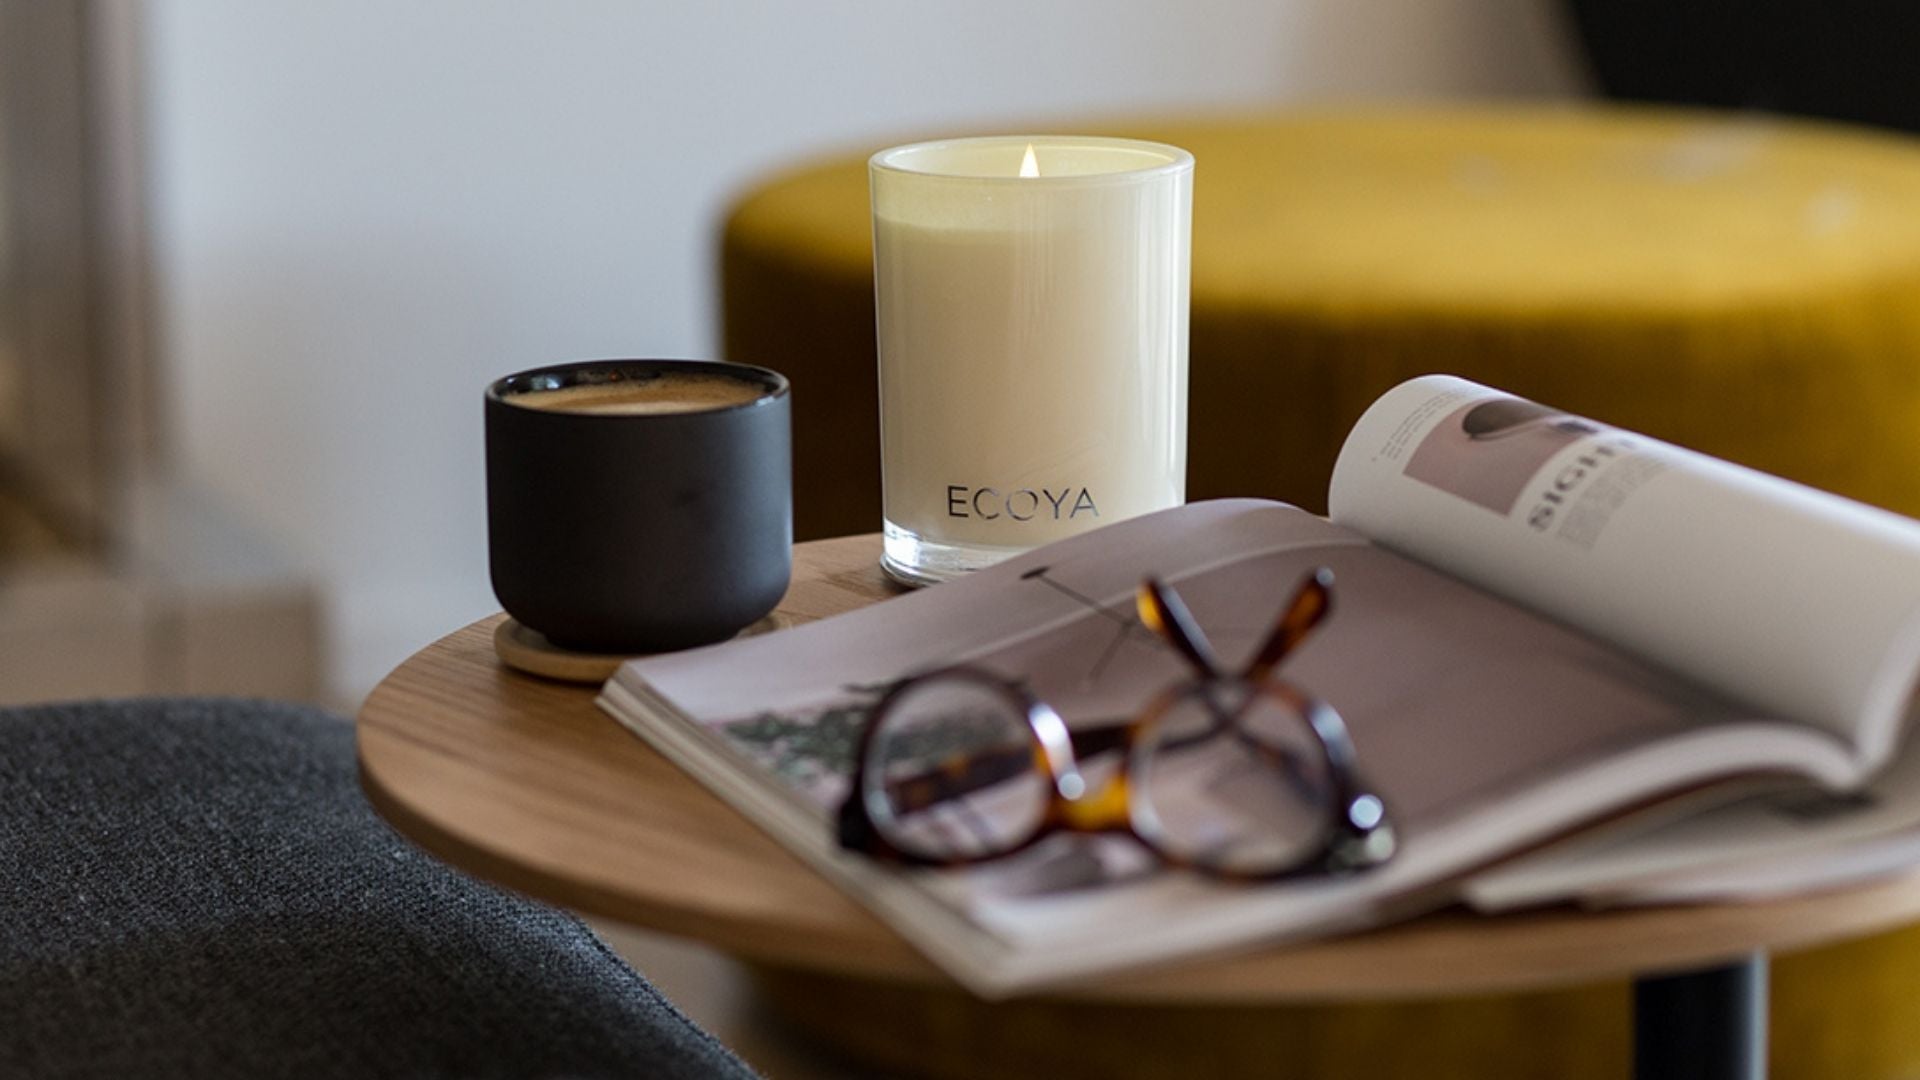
[[525, 782]]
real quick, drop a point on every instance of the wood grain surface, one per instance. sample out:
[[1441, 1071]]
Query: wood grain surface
[[526, 783]]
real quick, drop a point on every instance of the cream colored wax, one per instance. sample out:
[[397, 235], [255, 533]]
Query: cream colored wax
[[1033, 342]]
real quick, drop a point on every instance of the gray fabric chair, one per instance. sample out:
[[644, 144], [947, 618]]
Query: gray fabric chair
[[197, 889]]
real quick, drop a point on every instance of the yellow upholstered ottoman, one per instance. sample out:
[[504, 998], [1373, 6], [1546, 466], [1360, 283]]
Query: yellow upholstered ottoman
[[1746, 287]]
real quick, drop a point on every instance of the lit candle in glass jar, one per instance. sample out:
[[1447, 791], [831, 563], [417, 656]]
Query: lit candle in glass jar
[[1032, 296]]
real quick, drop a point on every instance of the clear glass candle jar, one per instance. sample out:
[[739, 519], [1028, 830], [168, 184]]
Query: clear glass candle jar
[[1032, 295]]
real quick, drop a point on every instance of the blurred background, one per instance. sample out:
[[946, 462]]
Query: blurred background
[[260, 258]]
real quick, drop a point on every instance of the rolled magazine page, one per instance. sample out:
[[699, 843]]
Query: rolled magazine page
[[1794, 600], [1780, 837]]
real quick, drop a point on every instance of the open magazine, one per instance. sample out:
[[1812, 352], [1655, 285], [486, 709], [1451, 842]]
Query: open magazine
[[1540, 624]]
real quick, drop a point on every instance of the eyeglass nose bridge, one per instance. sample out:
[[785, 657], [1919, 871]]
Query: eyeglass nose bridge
[[1107, 808], [1080, 806]]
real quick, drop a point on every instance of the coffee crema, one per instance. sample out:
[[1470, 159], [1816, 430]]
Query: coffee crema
[[678, 393]]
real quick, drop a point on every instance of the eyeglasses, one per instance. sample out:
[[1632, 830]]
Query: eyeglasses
[[1241, 776]]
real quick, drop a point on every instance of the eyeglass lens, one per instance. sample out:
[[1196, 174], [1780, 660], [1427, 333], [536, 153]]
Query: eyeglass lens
[[951, 771], [1233, 778]]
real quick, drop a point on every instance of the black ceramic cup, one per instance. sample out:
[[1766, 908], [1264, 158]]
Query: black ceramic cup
[[639, 505]]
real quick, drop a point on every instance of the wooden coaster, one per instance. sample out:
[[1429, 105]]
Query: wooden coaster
[[530, 651]]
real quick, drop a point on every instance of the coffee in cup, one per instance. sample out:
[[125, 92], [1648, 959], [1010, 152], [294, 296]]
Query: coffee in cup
[[665, 392], [639, 505]]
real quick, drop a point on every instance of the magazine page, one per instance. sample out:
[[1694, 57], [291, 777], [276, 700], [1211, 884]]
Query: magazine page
[[1791, 599], [1774, 839], [1483, 727]]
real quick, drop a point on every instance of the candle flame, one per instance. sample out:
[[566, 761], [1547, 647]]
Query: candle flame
[[1029, 165]]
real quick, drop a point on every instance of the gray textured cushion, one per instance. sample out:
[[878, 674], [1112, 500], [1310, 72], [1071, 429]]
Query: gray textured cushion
[[197, 888]]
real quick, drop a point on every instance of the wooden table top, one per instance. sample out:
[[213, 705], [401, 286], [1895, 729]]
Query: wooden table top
[[526, 783]]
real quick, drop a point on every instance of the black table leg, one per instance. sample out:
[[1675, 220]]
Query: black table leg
[[1702, 1025]]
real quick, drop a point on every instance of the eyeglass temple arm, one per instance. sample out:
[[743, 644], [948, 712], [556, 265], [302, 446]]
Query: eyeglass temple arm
[[1311, 602], [1166, 614]]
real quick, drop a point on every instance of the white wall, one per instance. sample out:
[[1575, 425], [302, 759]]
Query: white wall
[[365, 210]]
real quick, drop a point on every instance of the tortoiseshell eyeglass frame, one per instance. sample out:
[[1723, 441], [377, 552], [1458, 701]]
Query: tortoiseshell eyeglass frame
[[1357, 833]]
